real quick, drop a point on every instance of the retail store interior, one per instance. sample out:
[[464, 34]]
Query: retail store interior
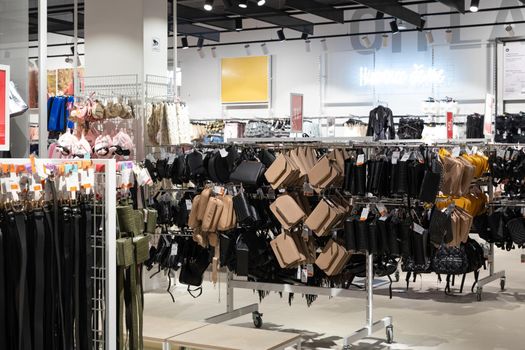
[[262, 174]]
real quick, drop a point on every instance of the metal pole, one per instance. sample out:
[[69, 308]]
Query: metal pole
[[75, 45], [369, 291], [229, 293], [42, 78], [175, 56]]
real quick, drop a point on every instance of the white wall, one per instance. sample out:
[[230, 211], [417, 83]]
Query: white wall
[[468, 65]]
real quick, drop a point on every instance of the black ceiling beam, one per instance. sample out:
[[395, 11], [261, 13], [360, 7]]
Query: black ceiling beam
[[198, 31], [193, 15], [270, 15], [457, 4], [318, 9], [395, 9]]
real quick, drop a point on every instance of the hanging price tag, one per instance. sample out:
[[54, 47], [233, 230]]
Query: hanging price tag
[[474, 149], [456, 151], [417, 228], [126, 179], [13, 185], [174, 249], [189, 204], [308, 189], [381, 209], [364, 214], [223, 152], [406, 156], [72, 183], [310, 269], [360, 160], [88, 179], [144, 178], [299, 272], [304, 274], [36, 187], [395, 157]]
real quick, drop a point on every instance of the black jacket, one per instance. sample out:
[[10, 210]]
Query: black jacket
[[381, 124]]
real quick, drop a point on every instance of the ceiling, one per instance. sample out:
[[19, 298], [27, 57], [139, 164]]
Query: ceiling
[[193, 20]]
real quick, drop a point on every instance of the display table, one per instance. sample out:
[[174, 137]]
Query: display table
[[223, 337], [158, 330]]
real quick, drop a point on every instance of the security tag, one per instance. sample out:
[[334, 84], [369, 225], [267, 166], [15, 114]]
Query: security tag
[[360, 160], [417, 228]]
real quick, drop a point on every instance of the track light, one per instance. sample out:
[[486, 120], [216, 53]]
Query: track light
[[200, 51], [243, 4], [304, 36], [385, 40], [238, 24], [474, 5], [264, 49], [509, 30], [184, 41], [200, 42], [280, 34], [248, 51], [394, 27], [208, 5], [366, 41], [448, 35], [261, 2], [380, 15], [324, 44], [401, 25], [214, 52], [429, 36], [308, 45]]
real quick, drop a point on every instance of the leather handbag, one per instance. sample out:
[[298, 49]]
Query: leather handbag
[[516, 229], [196, 261], [282, 172], [248, 173], [440, 224], [324, 173], [193, 219], [285, 249], [195, 163], [405, 236], [450, 260], [243, 257], [287, 211], [333, 258], [324, 217], [266, 157], [243, 209], [350, 233], [362, 234], [393, 236], [212, 215], [429, 186], [205, 196], [228, 219], [218, 168]]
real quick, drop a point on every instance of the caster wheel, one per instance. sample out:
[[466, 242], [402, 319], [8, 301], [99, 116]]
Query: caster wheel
[[478, 294], [390, 334], [397, 276], [502, 284], [257, 319]]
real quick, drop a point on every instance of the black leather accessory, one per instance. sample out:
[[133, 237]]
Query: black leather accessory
[[243, 208], [196, 261], [373, 237], [248, 173], [450, 260], [195, 163], [439, 226], [219, 168], [516, 230], [350, 233], [266, 157], [430, 183], [362, 235], [405, 235], [393, 236], [243, 257], [383, 241], [402, 177]]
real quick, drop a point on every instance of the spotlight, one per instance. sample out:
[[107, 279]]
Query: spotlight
[[394, 27], [238, 24], [248, 51], [304, 36], [429, 36], [200, 51], [243, 4], [208, 5], [385, 40], [366, 41], [380, 15], [448, 36], [200, 42], [509, 30], [184, 41], [324, 44], [264, 49], [280, 34], [474, 5], [308, 45], [261, 2], [401, 25], [214, 52]]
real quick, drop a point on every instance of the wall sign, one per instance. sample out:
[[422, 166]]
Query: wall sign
[[417, 75], [514, 71], [155, 44], [296, 112], [4, 107]]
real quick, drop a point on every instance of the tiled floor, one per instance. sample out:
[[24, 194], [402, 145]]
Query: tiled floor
[[424, 317]]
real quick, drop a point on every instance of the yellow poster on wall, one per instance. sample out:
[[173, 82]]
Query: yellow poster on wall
[[245, 79]]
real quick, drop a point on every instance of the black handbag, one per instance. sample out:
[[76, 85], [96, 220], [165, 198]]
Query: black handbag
[[195, 163], [243, 209], [266, 157], [349, 233], [362, 235], [402, 177], [218, 169], [450, 260], [516, 230], [248, 173], [393, 236], [243, 257], [405, 237], [226, 250], [430, 183], [440, 226], [383, 241], [196, 261]]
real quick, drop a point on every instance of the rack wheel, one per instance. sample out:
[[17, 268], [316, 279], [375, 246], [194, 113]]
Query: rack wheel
[[390, 334], [502, 283], [479, 291], [397, 276], [257, 319]]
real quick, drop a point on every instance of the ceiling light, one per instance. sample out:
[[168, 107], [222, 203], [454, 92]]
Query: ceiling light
[[474, 5], [448, 35], [385, 40], [280, 34], [261, 2], [264, 48], [308, 45], [429, 36], [304, 36], [184, 41], [509, 30], [401, 25], [201, 52], [214, 52], [200, 42], [394, 27], [324, 44], [247, 48], [238, 24], [69, 60], [243, 4], [380, 15], [366, 41], [208, 5]]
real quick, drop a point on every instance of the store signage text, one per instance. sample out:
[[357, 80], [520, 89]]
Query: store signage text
[[417, 75]]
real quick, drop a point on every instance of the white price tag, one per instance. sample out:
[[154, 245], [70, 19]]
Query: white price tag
[[144, 178], [126, 179], [360, 160], [456, 151], [310, 269], [395, 157], [364, 214], [417, 228], [299, 272], [223, 152], [87, 179], [381, 209], [383, 218], [406, 156], [189, 204], [304, 274], [174, 249], [36, 187], [13, 186], [72, 184]]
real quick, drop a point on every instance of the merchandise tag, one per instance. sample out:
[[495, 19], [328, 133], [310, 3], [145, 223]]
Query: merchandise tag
[[420, 158], [13, 185], [144, 178], [395, 157], [40, 169], [171, 159], [174, 249], [406, 156], [364, 213], [360, 160], [189, 204], [126, 179], [381, 209], [306, 233], [383, 218], [468, 150], [500, 152], [474, 149], [456, 151], [72, 183], [304, 274], [218, 190], [308, 189], [299, 272], [223, 152], [310, 269], [36, 187], [417, 228], [88, 179]]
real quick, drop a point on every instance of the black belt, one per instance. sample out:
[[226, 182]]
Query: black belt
[[78, 254], [24, 325], [67, 274], [39, 287], [51, 338]]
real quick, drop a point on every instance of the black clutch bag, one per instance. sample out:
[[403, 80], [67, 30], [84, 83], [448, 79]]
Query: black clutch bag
[[350, 241], [248, 173], [243, 208], [243, 257]]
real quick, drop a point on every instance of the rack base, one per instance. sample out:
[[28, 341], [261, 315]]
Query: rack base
[[500, 275]]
